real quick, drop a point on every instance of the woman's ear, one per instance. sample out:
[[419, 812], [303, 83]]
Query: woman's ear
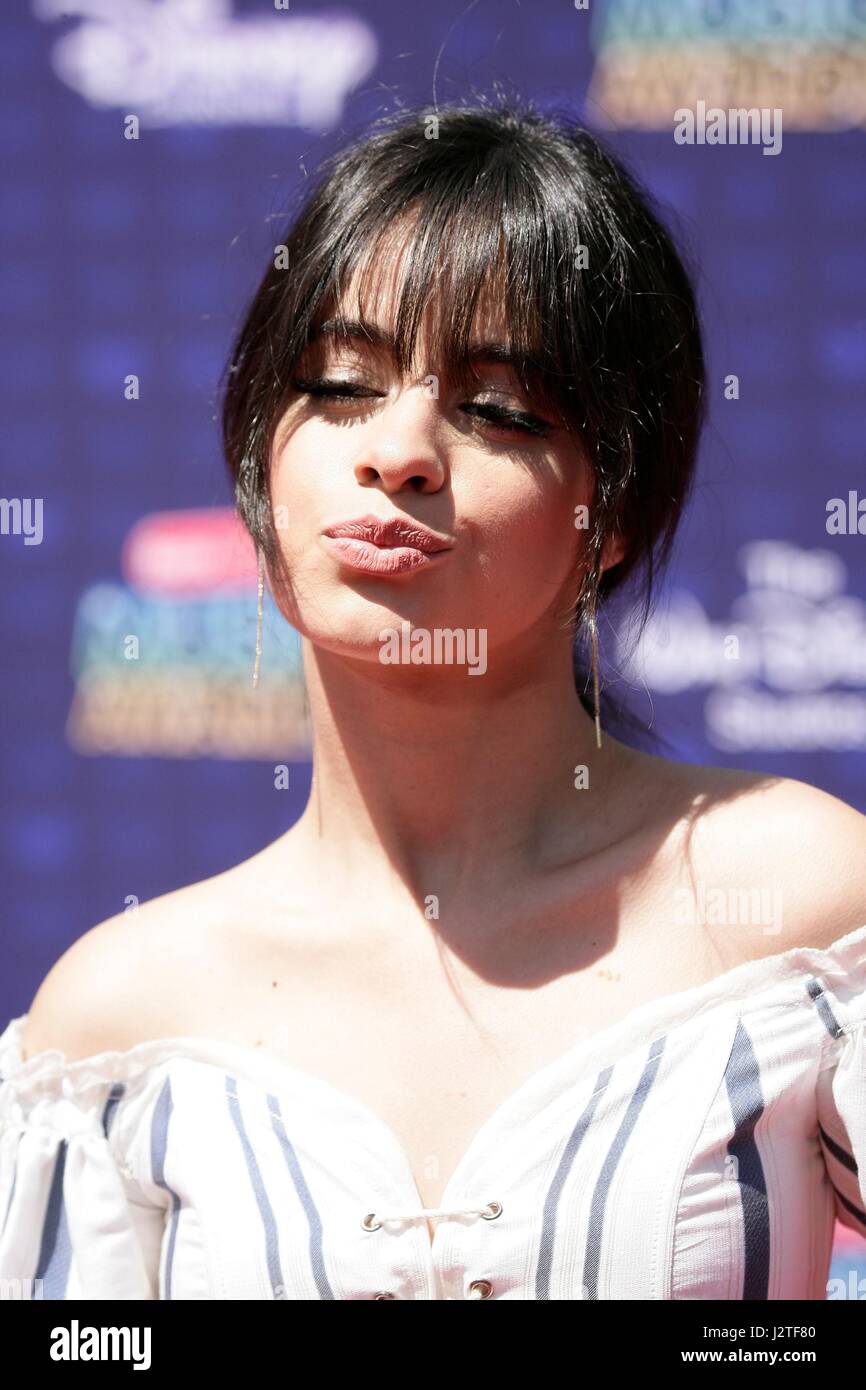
[[613, 550]]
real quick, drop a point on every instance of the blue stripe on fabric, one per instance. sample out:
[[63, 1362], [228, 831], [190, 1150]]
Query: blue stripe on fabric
[[272, 1239], [314, 1221], [835, 1029], [848, 1161], [743, 1081], [595, 1233], [837, 1151], [114, 1096], [816, 991], [551, 1202], [55, 1250], [850, 1206], [158, 1143]]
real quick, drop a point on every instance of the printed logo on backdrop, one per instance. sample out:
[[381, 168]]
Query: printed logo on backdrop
[[162, 662], [194, 62], [806, 57], [786, 671]]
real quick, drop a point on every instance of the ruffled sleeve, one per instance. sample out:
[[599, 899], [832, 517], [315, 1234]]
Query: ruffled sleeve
[[74, 1223], [841, 1088]]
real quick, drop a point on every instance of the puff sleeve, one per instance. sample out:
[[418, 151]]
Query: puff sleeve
[[841, 1096], [73, 1221]]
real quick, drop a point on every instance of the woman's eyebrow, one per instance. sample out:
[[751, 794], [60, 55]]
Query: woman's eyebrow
[[355, 329], [365, 331]]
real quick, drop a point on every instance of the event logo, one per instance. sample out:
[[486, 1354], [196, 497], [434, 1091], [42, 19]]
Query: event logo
[[806, 57], [786, 671], [163, 662], [176, 62]]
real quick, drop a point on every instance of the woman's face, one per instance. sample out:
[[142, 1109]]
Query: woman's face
[[496, 477]]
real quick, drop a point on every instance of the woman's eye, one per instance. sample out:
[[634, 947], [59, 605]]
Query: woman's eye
[[322, 386], [507, 417]]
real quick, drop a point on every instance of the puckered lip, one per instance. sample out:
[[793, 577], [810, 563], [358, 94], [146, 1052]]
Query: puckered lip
[[389, 532]]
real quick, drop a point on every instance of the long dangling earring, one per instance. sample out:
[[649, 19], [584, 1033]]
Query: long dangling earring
[[592, 618], [594, 641], [260, 613]]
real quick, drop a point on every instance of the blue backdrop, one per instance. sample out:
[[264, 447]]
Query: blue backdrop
[[149, 151]]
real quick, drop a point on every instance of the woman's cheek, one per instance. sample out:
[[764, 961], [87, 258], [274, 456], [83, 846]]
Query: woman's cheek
[[533, 534]]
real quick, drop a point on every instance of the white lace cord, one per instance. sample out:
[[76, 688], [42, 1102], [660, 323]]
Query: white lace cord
[[374, 1219]]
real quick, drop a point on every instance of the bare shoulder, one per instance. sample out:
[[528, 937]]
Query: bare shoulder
[[801, 847], [128, 977]]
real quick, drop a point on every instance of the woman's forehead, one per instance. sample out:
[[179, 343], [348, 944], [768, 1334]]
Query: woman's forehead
[[370, 303], [391, 256]]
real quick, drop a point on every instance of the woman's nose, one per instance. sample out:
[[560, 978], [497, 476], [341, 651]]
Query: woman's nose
[[401, 445]]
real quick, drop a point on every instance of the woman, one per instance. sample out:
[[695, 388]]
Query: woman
[[464, 1030]]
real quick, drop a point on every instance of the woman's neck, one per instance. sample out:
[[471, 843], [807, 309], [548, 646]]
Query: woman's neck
[[444, 782]]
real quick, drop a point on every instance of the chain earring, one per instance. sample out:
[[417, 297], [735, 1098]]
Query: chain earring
[[594, 641], [260, 613]]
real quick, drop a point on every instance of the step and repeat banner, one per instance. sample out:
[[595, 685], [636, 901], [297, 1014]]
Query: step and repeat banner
[[149, 151]]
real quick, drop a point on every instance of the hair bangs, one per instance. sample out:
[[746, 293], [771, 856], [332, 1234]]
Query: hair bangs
[[462, 281]]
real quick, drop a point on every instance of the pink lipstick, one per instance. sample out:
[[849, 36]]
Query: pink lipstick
[[374, 545]]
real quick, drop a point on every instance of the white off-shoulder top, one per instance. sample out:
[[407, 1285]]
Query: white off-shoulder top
[[701, 1148]]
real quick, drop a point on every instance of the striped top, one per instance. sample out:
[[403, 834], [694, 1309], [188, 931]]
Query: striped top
[[700, 1148]]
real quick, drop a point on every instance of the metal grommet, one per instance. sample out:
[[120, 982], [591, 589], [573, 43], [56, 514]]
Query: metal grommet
[[480, 1288], [384, 1295], [370, 1223], [494, 1209]]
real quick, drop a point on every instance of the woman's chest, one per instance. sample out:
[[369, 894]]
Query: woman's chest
[[434, 1061], [597, 1180]]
